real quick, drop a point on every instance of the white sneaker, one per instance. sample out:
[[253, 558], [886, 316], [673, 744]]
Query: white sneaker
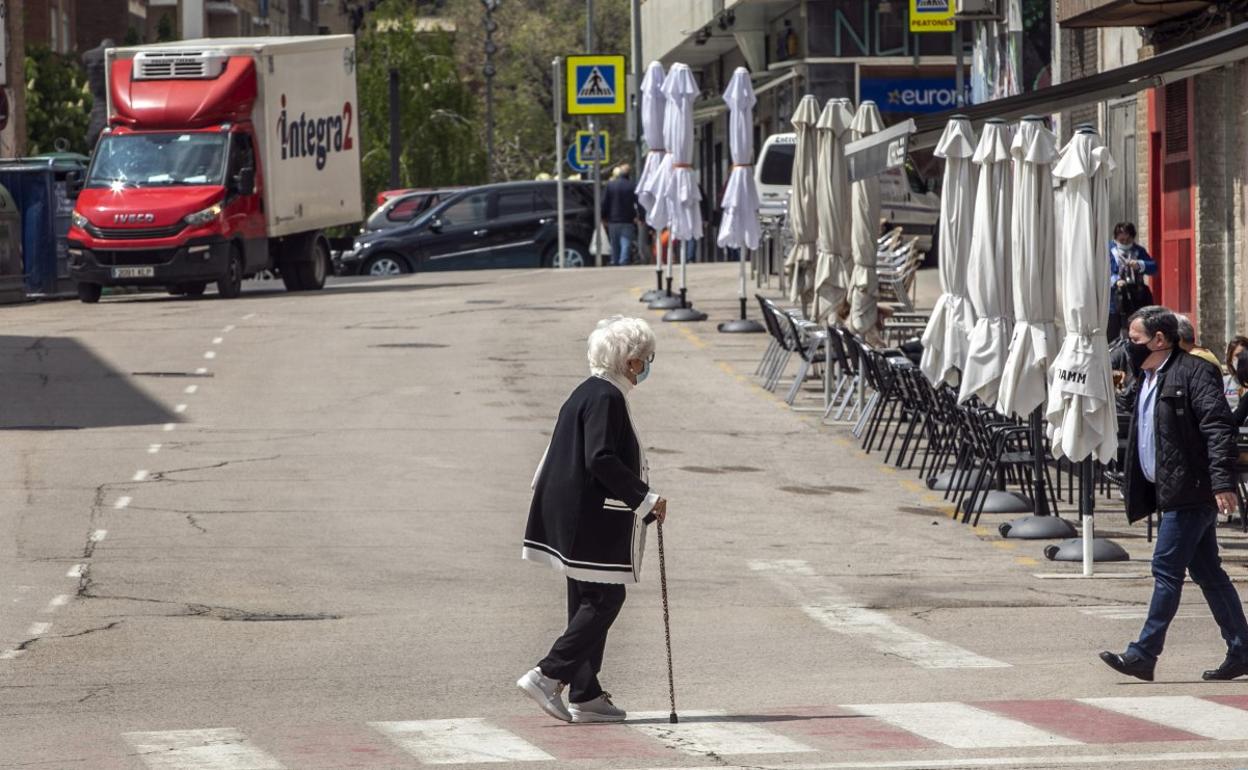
[[547, 692], [600, 709]]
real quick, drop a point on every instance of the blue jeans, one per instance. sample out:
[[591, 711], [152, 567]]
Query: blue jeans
[[622, 237], [1188, 542]]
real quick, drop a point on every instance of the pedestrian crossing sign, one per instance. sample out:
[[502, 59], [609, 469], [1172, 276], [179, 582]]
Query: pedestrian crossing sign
[[596, 85], [589, 151]]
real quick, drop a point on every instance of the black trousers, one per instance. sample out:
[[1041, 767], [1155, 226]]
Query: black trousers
[[576, 657]]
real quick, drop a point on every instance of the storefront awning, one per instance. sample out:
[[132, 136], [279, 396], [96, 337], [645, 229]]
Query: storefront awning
[[887, 149], [763, 82]]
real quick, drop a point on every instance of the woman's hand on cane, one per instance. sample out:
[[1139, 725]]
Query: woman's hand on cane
[[660, 510]]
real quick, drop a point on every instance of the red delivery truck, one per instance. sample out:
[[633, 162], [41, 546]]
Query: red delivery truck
[[222, 158]]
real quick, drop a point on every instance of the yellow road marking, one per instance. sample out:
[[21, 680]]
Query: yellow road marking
[[1026, 561]]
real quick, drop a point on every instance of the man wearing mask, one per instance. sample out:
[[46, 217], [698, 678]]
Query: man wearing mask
[[1181, 462]]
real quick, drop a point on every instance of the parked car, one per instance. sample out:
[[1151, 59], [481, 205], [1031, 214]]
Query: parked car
[[905, 200], [402, 208], [512, 224]]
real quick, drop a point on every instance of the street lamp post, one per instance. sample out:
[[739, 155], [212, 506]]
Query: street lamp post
[[491, 48]]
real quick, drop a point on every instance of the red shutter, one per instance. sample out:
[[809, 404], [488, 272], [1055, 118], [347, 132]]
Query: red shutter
[[1171, 189]]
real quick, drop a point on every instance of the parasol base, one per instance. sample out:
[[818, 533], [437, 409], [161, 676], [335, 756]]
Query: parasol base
[[741, 326], [1072, 550], [684, 314], [652, 295], [664, 303], [1038, 528], [1000, 501], [942, 482]]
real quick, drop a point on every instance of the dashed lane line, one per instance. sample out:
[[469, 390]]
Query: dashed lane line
[[122, 502]]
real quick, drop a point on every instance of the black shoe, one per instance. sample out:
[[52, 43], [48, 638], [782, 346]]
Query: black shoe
[[1130, 665], [1230, 669]]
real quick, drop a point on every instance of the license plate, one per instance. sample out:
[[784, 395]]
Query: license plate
[[134, 272]]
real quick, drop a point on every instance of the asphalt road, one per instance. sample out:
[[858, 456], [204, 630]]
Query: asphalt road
[[284, 532]]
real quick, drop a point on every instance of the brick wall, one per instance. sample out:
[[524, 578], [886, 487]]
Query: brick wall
[[38, 20], [1079, 59], [99, 19]]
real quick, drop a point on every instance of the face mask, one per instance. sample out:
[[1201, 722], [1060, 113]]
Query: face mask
[[1139, 353], [1125, 247], [644, 373]]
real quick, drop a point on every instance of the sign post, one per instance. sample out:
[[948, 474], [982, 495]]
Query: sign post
[[556, 65], [596, 87]]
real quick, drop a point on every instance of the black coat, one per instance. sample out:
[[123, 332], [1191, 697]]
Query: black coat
[[583, 519], [1195, 440], [619, 202]]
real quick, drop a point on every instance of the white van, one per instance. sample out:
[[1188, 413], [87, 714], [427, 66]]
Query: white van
[[905, 200]]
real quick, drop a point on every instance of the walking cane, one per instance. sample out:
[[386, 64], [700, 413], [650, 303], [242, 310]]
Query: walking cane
[[667, 627]]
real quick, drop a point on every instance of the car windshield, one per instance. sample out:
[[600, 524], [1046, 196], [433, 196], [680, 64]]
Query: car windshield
[[778, 165], [159, 160]]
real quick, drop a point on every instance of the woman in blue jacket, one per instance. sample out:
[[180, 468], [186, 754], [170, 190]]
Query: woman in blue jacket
[[1129, 262]]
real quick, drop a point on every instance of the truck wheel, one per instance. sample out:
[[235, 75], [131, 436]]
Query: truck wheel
[[231, 284], [306, 263], [90, 292]]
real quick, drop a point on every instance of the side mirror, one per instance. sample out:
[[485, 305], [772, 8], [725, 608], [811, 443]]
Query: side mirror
[[435, 225], [73, 183], [245, 181]]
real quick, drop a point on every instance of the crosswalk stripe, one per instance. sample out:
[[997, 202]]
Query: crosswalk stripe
[[212, 749], [961, 726], [1185, 712], [459, 741], [712, 732]]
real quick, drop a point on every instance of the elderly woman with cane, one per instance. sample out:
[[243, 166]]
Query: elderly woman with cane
[[591, 504]]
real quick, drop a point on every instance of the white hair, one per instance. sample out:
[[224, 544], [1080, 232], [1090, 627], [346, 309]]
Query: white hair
[[616, 340]]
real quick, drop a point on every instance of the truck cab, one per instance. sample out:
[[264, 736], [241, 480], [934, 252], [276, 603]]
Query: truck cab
[[182, 190], [905, 200]]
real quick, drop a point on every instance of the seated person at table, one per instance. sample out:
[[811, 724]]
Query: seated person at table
[[1187, 341], [1237, 367]]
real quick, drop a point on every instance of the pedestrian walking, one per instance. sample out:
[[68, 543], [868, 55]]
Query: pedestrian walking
[[1129, 262], [591, 504], [1180, 461], [621, 213]]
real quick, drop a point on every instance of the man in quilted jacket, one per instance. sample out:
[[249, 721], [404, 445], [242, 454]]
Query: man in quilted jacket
[[1181, 463]]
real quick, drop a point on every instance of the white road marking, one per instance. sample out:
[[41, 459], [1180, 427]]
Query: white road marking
[[1174, 759], [122, 502], [180, 408], [169, 426], [38, 629], [1129, 612], [202, 370], [459, 741], [1182, 712], [712, 732], [961, 726], [11, 654], [215, 749], [190, 389], [99, 535], [211, 354], [228, 329], [218, 340], [76, 571], [57, 602], [140, 475], [828, 605], [249, 316], [153, 449]]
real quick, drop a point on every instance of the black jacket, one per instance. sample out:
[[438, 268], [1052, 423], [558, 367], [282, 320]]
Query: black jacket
[[1195, 441], [619, 202], [583, 518]]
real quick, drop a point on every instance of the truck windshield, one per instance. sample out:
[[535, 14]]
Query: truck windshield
[[159, 160], [778, 165]]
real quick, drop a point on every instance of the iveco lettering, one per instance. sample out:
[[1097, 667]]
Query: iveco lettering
[[212, 167]]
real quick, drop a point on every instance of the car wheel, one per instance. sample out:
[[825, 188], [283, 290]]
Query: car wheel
[[90, 292], [195, 289], [574, 255], [385, 264], [231, 284]]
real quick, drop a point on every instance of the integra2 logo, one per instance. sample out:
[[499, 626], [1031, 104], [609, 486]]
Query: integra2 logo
[[306, 137]]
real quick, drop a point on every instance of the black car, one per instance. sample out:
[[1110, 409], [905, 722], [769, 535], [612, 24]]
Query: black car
[[499, 225]]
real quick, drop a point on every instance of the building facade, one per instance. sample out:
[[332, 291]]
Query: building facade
[[1185, 152]]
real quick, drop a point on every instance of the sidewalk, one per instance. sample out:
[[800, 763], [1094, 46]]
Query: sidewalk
[[713, 288]]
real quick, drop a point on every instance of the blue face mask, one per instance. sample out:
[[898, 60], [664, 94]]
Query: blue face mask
[[644, 373]]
